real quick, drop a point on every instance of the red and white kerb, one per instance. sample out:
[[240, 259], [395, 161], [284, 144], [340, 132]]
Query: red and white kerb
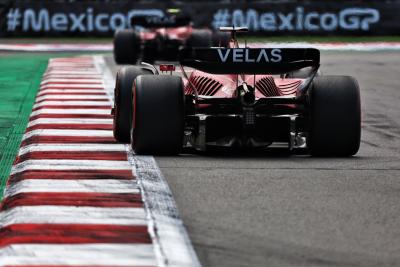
[[71, 198]]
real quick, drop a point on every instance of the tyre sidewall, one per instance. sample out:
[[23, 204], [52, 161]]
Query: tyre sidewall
[[123, 101], [158, 115], [126, 46], [335, 116]]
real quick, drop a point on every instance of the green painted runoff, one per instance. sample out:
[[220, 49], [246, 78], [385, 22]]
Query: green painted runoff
[[20, 77]]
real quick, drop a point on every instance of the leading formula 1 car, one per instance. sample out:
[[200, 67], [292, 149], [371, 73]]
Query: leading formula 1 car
[[160, 38], [244, 97]]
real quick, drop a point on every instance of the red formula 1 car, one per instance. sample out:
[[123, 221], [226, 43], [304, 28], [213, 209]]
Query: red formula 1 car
[[160, 38], [249, 98]]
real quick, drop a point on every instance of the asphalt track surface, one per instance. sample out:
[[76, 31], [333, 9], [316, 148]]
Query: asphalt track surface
[[278, 210]]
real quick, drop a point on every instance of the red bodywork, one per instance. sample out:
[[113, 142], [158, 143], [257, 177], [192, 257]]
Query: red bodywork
[[178, 33], [224, 86]]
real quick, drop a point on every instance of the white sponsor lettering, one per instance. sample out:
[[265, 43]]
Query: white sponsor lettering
[[222, 56], [161, 20], [263, 55], [243, 55], [348, 19], [117, 21], [276, 55], [286, 21], [36, 21], [268, 22], [310, 21], [238, 55], [247, 56], [43, 21], [358, 18], [249, 20], [77, 22], [59, 22], [99, 24]]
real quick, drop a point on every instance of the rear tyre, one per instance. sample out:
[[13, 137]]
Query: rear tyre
[[150, 51], [200, 38], [126, 46], [123, 101], [158, 119], [221, 39], [335, 116]]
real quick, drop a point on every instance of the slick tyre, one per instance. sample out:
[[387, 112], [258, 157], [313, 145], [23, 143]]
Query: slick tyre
[[158, 119], [335, 116], [123, 101], [126, 46], [200, 38], [151, 51], [221, 39]]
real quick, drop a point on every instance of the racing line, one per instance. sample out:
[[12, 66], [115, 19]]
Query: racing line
[[75, 196]]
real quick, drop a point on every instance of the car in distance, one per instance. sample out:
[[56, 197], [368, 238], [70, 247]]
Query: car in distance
[[160, 38], [240, 97]]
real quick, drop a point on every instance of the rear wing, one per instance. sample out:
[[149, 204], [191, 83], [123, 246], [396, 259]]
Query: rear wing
[[249, 60], [161, 22]]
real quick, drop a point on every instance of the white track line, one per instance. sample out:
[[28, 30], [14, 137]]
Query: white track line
[[171, 242], [67, 164], [70, 186], [78, 255], [71, 111], [72, 73], [69, 76], [71, 68], [46, 91], [172, 239], [108, 77], [46, 81], [71, 86], [71, 96], [79, 65], [71, 147], [71, 103], [72, 214], [69, 121], [56, 132]]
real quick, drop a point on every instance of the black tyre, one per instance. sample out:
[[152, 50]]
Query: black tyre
[[221, 39], [335, 116], [151, 51], [123, 101], [126, 47], [158, 119], [200, 38], [302, 73]]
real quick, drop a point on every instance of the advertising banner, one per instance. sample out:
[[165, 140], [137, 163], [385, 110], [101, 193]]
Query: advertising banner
[[95, 18]]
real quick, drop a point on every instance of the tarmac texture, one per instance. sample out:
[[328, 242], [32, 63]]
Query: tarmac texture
[[277, 210]]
